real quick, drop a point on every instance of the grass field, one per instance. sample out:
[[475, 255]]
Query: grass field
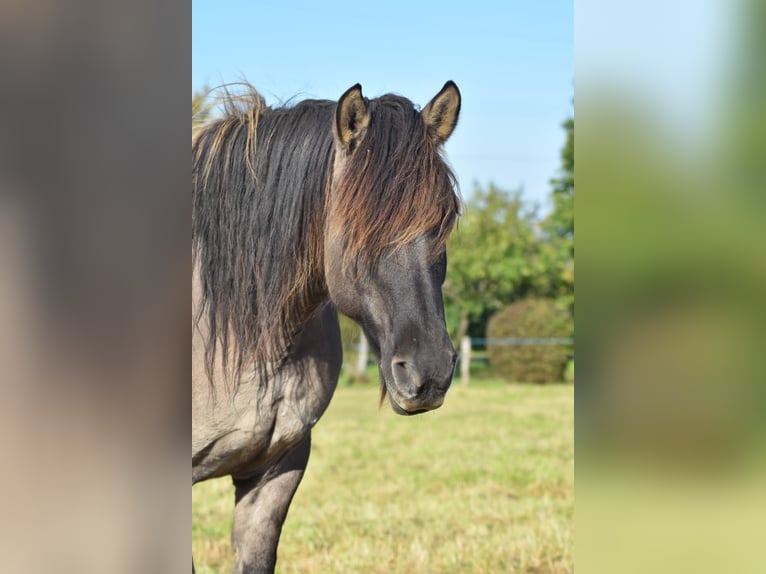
[[484, 484]]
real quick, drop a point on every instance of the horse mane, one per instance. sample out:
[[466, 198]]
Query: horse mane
[[396, 186], [258, 180], [261, 210]]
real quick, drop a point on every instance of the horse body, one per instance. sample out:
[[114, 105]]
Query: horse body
[[241, 434], [296, 212]]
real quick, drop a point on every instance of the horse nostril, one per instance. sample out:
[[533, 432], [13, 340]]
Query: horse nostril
[[400, 364], [453, 358], [405, 369]]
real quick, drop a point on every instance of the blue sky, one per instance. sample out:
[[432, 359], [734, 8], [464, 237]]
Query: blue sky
[[513, 63]]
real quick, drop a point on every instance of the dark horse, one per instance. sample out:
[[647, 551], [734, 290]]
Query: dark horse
[[299, 211]]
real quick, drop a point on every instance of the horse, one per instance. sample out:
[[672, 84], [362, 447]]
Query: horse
[[301, 211]]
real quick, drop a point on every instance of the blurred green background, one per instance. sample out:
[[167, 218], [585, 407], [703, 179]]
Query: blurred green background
[[671, 278]]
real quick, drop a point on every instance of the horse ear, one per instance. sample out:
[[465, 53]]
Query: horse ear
[[351, 117], [441, 113]]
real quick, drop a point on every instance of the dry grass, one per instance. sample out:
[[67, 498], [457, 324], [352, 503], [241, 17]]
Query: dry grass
[[484, 484]]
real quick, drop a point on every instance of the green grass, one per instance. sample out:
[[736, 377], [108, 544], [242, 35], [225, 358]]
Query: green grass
[[484, 484]]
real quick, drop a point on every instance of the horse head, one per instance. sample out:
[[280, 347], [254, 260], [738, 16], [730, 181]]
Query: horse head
[[391, 206]]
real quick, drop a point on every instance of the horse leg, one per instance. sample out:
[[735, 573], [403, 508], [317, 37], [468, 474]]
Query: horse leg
[[260, 510]]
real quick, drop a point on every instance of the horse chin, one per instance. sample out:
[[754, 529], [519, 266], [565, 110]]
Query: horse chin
[[400, 411], [402, 406]]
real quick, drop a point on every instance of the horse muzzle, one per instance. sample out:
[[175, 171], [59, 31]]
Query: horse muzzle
[[420, 386]]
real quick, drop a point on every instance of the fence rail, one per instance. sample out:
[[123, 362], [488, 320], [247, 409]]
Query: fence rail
[[476, 342]]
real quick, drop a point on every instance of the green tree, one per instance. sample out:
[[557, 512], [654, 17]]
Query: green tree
[[502, 252], [492, 258], [557, 250]]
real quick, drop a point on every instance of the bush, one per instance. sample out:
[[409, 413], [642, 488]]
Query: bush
[[533, 319]]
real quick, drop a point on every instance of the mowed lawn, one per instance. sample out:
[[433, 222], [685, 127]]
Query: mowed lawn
[[483, 484]]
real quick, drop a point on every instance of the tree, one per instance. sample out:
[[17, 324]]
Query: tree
[[492, 258], [502, 252], [558, 227]]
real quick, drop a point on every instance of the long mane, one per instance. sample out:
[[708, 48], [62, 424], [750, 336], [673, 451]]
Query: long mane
[[261, 210], [258, 186]]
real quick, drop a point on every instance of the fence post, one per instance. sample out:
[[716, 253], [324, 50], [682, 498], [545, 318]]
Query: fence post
[[465, 359], [364, 351]]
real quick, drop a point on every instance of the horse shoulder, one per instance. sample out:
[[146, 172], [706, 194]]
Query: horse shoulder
[[240, 432]]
